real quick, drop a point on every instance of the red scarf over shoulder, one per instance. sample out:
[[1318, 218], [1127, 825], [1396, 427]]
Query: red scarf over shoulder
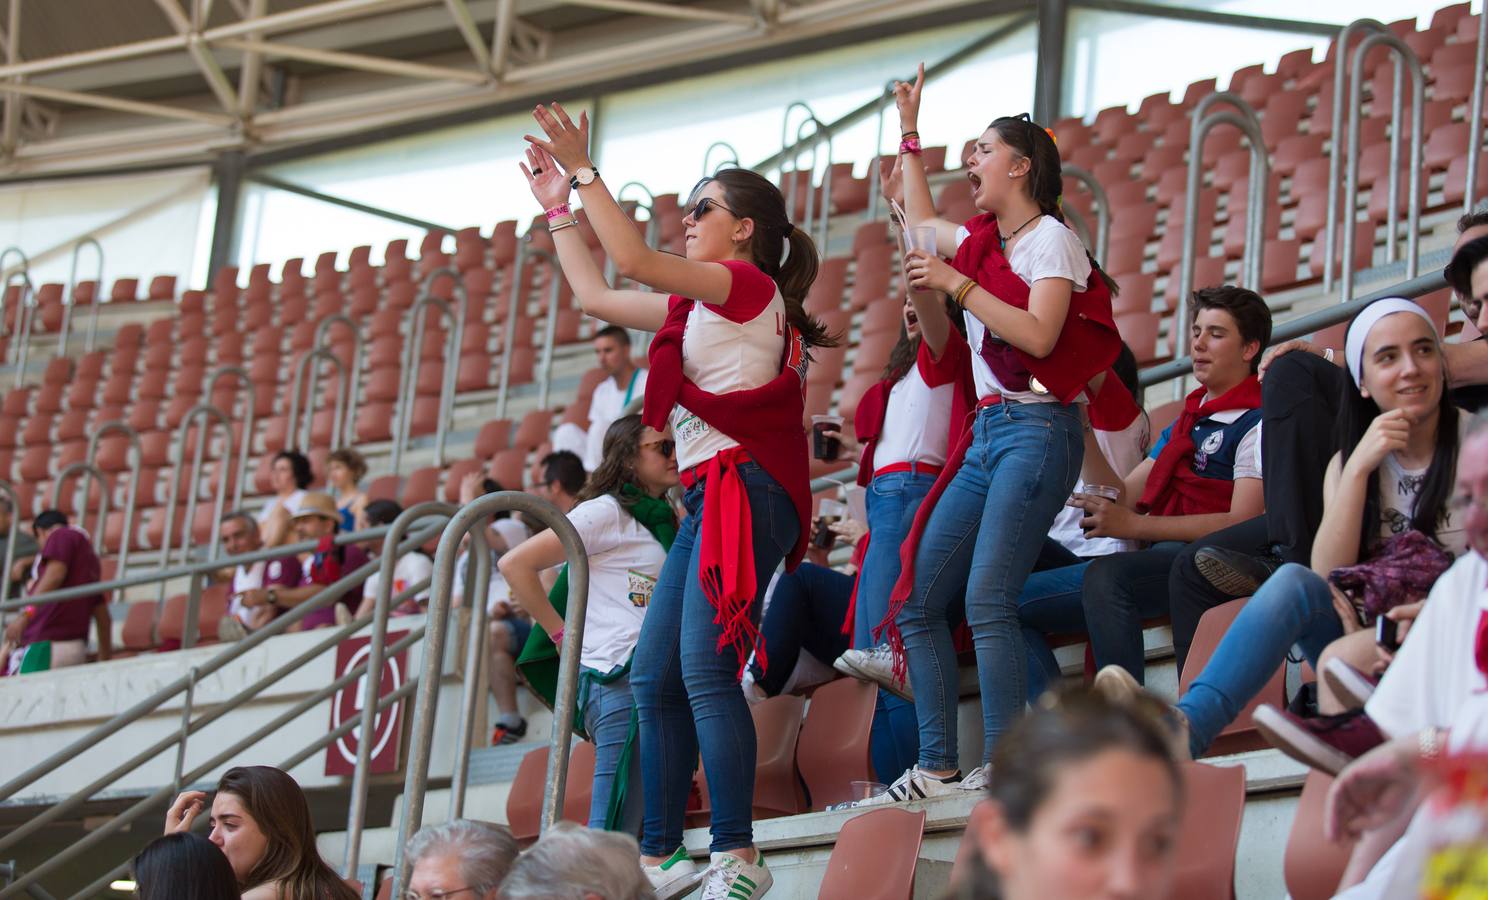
[[1173, 487], [1088, 344], [767, 423]]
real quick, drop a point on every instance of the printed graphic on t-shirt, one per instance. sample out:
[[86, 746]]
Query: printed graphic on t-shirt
[[691, 428], [1211, 445], [639, 588], [795, 355]]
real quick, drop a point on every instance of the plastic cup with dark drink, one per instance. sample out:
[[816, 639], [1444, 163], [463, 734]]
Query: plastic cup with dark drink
[[823, 445], [828, 514], [1101, 490]]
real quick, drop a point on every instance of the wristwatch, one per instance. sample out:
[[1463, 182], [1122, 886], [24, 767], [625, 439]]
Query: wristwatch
[[273, 596], [583, 175]]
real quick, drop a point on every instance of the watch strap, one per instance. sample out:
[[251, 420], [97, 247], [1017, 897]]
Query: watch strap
[[574, 182]]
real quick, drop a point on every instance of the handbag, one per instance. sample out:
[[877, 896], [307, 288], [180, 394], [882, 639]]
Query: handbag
[[1400, 570]]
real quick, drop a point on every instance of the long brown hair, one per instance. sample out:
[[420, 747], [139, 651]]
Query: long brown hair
[[1029, 140], [622, 443], [277, 805], [902, 357], [752, 196]]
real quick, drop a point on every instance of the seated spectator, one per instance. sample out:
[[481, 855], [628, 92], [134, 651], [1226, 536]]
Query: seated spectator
[[290, 476], [1398, 439], [561, 478], [317, 521], [459, 856], [262, 823], [345, 469], [183, 866], [627, 527], [1204, 474], [412, 567], [1085, 801], [55, 635], [570, 862], [624, 382], [25, 549], [239, 536]]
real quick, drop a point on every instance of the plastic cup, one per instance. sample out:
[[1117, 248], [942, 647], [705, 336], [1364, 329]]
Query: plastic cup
[[1103, 490], [827, 514], [824, 446], [920, 237], [866, 790]]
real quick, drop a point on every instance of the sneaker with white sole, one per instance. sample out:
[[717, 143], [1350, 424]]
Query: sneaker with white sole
[[875, 664], [677, 876], [1119, 687], [230, 628], [917, 784], [731, 878], [1350, 686], [976, 779]]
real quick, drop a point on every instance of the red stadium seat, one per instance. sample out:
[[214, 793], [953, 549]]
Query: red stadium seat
[[1240, 734], [833, 750], [875, 856], [494, 436], [777, 783], [1313, 864], [455, 475], [421, 486], [1214, 802]]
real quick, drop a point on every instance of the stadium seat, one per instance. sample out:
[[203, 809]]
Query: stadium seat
[[777, 783], [1241, 734], [875, 856], [1313, 865], [508, 468], [384, 487], [833, 749], [578, 787], [1214, 801], [138, 633], [524, 803], [422, 485]]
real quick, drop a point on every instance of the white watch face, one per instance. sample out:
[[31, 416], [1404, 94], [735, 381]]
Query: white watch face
[[585, 175]]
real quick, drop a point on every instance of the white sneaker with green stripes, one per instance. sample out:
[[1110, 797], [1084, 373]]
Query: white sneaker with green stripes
[[678, 876], [731, 878]]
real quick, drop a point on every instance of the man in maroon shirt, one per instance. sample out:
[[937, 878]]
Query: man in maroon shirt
[[66, 560], [318, 519]]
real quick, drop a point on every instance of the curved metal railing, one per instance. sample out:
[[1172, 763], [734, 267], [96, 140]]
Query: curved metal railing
[[471, 516], [518, 307], [1102, 237], [70, 299], [413, 358], [84, 485], [322, 329], [26, 300], [885, 100], [252, 401], [300, 431], [8, 490], [210, 414], [137, 460], [1404, 57], [731, 162], [1340, 66], [23, 269]]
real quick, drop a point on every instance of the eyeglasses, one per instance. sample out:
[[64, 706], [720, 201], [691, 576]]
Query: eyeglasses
[[435, 894], [1463, 502], [702, 207], [666, 446]]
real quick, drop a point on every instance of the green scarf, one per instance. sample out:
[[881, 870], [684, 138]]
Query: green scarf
[[538, 661]]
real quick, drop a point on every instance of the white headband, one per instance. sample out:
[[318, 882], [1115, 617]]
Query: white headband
[[1364, 322]]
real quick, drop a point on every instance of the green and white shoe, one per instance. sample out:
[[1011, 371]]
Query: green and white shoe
[[678, 876], [731, 878]]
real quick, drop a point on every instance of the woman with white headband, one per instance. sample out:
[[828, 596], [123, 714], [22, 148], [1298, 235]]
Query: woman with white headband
[[1398, 438]]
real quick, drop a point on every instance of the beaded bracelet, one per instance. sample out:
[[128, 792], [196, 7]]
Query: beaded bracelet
[[910, 134], [960, 296], [910, 145], [559, 210]]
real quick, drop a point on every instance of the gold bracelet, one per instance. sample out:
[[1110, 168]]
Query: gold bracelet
[[960, 296], [566, 223]]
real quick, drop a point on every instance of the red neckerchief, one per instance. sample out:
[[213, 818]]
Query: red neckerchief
[[325, 564], [766, 421], [1173, 488], [1088, 342]]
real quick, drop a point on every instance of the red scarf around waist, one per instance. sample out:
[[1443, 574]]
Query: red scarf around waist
[[1173, 487], [1088, 342], [868, 421], [766, 421]]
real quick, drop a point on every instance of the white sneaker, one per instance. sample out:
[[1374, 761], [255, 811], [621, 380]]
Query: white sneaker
[[916, 784], [876, 665], [230, 628], [731, 878], [678, 876], [976, 779]]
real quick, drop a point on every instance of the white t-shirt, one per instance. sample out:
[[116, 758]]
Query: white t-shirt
[[1435, 670], [498, 593], [917, 420], [291, 505], [1400, 488], [607, 405], [624, 562], [1123, 451], [733, 346], [410, 569], [247, 578], [1050, 250]]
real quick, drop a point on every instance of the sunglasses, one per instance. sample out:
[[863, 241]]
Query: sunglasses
[[666, 446], [703, 206]]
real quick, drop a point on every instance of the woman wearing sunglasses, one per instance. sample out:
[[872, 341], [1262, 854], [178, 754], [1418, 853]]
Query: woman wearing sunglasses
[[1040, 330], [728, 367], [627, 526]]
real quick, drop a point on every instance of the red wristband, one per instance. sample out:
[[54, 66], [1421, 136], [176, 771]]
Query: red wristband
[[559, 210], [910, 145]]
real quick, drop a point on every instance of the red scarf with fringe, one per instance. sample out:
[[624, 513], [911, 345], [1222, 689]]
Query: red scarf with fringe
[[766, 421]]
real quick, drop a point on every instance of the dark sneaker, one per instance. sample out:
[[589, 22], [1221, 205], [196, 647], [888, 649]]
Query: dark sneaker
[[1236, 574], [1326, 743], [508, 734], [1352, 687]]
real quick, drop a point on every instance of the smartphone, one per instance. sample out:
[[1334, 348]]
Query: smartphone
[[1386, 633]]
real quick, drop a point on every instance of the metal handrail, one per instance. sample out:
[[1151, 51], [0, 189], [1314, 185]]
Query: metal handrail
[[821, 134], [252, 401], [1340, 65], [93, 473], [653, 224], [21, 350], [425, 707], [788, 186], [70, 299], [413, 358], [732, 161], [23, 268], [1244, 118], [356, 812], [479, 559], [1475, 114], [1407, 57], [8, 490], [883, 101], [301, 431], [137, 459], [550, 332], [508, 329], [199, 411], [322, 329], [1102, 235]]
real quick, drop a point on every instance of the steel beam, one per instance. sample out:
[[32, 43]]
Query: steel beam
[[118, 104], [13, 102], [252, 67], [362, 62], [291, 187], [501, 36], [1210, 17], [200, 54], [1048, 87], [668, 11], [465, 23], [226, 228]]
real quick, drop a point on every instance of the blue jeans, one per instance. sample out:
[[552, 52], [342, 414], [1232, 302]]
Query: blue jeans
[[1294, 606], [1050, 604], [985, 541], [805, 612], [893, 500], [607, 712], [687, 690]]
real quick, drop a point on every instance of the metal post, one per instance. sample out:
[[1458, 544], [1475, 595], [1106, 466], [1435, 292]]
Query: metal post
[[1048, 85], [229, 170], [508, 329], [10, 538], [92, 473], [137, 458], [200, 411], [191, 628], [1475, 115], [357, 808], [1403, 53], [731, 161], [475, 654], [413, 358], [550, 332], [1102, 236], [1244, 117], [1340, 64], [242, 374], [25, 301], [301, 429], [790, 152], [191, 676], [884, 100], [422, 734], [823, 134], [653, 227], [70, 298], [322, 329]]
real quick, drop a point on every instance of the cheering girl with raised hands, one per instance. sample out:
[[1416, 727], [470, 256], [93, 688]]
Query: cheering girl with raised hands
[[1042, 339], [728, 373]]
